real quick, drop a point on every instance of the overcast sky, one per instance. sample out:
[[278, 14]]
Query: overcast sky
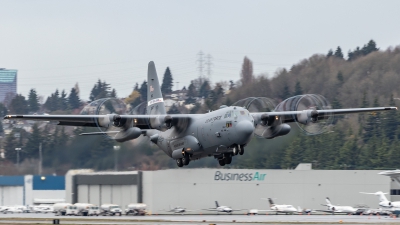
[[54, 44]]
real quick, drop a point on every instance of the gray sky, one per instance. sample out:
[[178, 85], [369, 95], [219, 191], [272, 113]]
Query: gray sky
[[55, 44]]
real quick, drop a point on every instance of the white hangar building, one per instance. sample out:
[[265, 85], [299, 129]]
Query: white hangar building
[[238, 188]]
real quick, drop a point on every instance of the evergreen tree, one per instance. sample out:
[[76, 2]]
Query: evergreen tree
[[340, 78], [113, 93], [33, 101], [330, 53], [285, 92], [167, 84], [19, 105], [3, 110], [370, 47], [247, 71], [191, 94], [338, 53], [100, 90], [297, 89], [32, 145], [73, 99], [10, 144], [204, 90], [63, 101], [231, 85], [143, 91]]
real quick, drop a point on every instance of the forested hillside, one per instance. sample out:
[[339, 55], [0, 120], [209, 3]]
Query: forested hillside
[[366, 77]]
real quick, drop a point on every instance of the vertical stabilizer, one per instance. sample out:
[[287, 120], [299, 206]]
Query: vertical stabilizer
[[155, 101], [328, 201], [382, 197], [271, 203], [216, 204]]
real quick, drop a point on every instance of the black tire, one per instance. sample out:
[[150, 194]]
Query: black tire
[[228, 159], [241, 150], [221, 162], [186, 160], [179, 162]]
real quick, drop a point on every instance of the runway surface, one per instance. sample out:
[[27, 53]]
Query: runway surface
[[29, 218]]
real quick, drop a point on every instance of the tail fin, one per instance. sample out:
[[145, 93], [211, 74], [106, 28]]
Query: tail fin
[[328, 201], [155, 101], [271, 203], [382, 197], [216, 204]]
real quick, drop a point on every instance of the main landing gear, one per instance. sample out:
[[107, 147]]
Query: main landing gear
[[183, 161], [227, 157]]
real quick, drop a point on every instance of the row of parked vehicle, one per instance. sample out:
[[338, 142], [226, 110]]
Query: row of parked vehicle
[[87, 209], [78, 209]]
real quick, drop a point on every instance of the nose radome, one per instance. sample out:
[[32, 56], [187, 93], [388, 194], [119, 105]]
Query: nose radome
[[245, 128]]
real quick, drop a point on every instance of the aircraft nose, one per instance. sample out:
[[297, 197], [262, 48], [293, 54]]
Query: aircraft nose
[[245, 129]]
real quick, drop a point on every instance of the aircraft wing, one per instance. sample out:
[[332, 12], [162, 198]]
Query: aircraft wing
[[141, 121], [305, 115]]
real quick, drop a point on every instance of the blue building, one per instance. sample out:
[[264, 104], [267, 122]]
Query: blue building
[[8, 84], [31, 189]]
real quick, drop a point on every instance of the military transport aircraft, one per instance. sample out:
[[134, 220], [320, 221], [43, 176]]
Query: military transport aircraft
[[221, 134]]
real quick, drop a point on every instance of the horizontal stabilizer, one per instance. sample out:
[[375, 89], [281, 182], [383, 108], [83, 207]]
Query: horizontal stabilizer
[[100, 133]]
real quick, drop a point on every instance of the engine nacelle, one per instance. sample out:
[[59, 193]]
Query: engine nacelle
[[275, 131], [386, 204], [307, 116], [186, 145], [129, 134]]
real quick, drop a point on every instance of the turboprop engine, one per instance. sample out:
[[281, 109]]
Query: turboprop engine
[[186, 145], [112, 124]]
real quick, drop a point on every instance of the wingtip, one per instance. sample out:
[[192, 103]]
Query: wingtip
[[151, 63]]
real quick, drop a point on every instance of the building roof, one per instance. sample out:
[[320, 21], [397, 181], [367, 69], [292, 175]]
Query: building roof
[[7, 76]]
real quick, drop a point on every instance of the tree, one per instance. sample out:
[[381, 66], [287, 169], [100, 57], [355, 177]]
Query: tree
[[73, 99], [370, 47], [297, 89], [113, 93], [204, 90], [191, 94], [33, 101], [167, 83], [143, 91], [3, 110], [330, 53], [100, 90], [63, 101], [247, 71], [338, 53], [19, 105], [173, 110], [32, 145]]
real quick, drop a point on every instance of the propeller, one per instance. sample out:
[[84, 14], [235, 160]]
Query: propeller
[[272, 125], [309, 122], [111, 125]]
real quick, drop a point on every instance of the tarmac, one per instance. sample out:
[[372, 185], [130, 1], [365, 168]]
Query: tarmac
[[30, 218]]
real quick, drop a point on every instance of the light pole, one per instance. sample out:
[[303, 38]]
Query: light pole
[[116, 148], [18, 150]]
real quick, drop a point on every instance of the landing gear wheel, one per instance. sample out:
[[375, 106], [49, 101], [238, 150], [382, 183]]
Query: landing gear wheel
[[228, 159], [186, 160], [221, 162], [235, 150], [179, 162], [241, 150]]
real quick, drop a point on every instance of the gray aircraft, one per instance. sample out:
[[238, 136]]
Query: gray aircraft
[[221, 134]]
